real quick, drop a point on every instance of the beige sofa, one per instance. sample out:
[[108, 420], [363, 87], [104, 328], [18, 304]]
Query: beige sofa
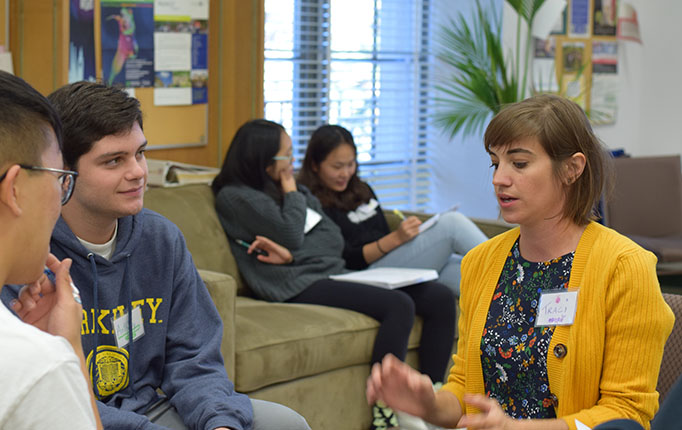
[[314, 359]]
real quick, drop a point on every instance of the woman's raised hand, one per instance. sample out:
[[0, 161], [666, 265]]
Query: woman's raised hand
[[287, 181], [408, 229], [277, 254], [400, 387]]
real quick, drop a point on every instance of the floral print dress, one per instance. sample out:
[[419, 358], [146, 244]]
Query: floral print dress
[[513, 349]]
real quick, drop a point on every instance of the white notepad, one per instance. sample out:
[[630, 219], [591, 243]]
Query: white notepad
[[388, 277]]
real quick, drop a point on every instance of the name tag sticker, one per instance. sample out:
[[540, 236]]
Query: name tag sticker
[[557, 308], [311, 220], [121, 327]]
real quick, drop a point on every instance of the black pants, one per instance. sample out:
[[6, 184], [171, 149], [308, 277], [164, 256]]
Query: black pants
[[619, 425], [395, 310]]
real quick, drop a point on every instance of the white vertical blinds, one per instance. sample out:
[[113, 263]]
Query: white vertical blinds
[[362, 64]]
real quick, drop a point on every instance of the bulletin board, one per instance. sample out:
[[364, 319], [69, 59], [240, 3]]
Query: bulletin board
[[579, 60], [165, 127]]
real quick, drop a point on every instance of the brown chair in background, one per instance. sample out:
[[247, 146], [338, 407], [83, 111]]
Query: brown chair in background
[[646, 206]]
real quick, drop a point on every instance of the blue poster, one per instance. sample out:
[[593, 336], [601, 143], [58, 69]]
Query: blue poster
[[128, 42], [81, 41], [580, 18]]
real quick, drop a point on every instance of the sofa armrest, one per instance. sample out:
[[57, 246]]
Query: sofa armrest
[[223, 291]]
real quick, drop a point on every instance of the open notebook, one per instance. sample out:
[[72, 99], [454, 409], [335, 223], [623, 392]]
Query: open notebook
[[388, 277]]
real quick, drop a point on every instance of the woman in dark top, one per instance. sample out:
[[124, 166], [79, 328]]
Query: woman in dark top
[[330, 172], [258, 201]]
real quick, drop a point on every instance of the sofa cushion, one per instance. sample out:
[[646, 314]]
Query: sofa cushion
[[191, 208], [280, 342]]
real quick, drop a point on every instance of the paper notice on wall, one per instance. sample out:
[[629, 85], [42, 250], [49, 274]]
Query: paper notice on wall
[[604, 91], [628, 26], [604, 98], [579, 20], [544, 76], [6, 62], [604, 18], [181, 52]]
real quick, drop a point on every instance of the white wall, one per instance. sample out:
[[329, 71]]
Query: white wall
[[650, 111], [461, 170]]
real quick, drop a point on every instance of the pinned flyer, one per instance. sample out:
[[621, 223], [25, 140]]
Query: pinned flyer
[[628, 26]]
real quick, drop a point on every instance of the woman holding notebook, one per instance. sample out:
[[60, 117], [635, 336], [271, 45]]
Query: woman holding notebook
[[562, 319], [292, 248], [330, 171]]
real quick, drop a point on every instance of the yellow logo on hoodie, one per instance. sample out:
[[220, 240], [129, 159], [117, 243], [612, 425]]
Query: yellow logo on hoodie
[[109, 374]]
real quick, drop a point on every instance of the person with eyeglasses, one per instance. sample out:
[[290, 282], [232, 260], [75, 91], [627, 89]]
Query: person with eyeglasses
[[150, 330], [259, 201], [42, 365]]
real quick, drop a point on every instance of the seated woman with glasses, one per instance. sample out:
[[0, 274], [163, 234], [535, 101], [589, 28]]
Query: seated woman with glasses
[[330, 171], [259, 202]]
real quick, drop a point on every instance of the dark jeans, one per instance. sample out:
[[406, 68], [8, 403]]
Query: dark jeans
[[669, 417], [395, 310], [619, 425]]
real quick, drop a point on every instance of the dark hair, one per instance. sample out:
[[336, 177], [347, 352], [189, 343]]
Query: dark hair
[[250, 153], [562, 128], [26, 117], [322, 142], [91, 111]]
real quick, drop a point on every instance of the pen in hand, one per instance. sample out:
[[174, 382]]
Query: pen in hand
[[74, 290], [247, 245]]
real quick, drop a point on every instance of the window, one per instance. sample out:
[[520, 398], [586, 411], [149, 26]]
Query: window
[[362, 64]]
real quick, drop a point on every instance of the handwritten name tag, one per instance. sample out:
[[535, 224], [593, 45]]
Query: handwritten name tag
[[557, 308]]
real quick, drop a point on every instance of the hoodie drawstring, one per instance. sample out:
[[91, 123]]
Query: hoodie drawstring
[[129, 299], [93, 268]]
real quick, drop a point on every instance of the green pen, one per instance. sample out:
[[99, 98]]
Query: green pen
[[247, 245]]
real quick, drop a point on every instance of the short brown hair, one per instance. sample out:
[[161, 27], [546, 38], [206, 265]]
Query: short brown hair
[[91, 111], [562, 128]]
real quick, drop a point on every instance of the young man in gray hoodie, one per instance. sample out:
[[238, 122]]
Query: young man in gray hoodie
[[129, 261]]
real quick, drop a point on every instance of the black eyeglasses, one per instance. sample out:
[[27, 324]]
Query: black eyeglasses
[[67, 179]]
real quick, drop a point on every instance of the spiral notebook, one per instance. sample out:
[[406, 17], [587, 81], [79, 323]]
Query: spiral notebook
[[388, 277]]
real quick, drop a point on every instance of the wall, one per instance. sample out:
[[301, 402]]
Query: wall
[[461, 167], [650, 90], [39, 37]]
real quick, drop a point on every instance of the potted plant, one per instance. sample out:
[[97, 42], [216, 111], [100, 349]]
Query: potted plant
[[483, 81]]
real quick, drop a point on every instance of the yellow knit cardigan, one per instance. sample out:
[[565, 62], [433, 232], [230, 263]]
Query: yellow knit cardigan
[[613, 349]]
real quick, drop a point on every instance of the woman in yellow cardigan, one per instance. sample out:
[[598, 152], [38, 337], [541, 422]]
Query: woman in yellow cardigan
[[562, 320]]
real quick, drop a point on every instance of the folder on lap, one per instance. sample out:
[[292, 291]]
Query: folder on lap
[[388, 277]]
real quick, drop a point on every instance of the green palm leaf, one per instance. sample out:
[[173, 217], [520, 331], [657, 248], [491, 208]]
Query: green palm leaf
[[480, 82]]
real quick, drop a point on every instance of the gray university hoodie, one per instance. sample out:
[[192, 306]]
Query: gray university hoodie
[[180, 349]]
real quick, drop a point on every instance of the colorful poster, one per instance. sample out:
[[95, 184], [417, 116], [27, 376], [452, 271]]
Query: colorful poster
[[604, 91], [604, 18], [628, 25], [181, 52], [543, 70], [573, 79], [579, 18], [81, 41], [128, 42]]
